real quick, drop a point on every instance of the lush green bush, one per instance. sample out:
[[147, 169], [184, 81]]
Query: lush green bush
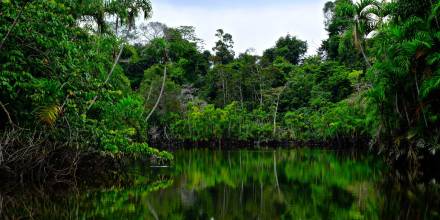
[[146, 150], [56, 76], [208, 123]]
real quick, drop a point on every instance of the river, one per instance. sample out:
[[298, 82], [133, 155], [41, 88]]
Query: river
[[245, 184]]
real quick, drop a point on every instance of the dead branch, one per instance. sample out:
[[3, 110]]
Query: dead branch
[[7, 114]]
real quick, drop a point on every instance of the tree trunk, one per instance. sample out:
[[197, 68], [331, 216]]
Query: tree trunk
[[223, 88], [435, 17], [7, 114], [418, 98], [226, 90], [357, 40], [276, 111], [149, 91], [160, 94], [241, 97], [108, 76], [261, 89], [275, 116]]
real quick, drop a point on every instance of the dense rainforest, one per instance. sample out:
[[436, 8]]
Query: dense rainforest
[[105, 114], [81, 80]]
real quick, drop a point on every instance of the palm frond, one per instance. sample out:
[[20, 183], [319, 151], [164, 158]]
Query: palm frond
[[49, 114]]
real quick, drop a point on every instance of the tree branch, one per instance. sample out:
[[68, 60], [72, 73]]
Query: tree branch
[[7, 114], [13, 25]]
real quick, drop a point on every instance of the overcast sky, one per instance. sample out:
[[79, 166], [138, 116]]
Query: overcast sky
[[253, 23]]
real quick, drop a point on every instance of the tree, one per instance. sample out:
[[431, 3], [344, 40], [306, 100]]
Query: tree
[[362, 18], [289, 47], [100, 11], [406, 81], [152, 30], [223, 48]]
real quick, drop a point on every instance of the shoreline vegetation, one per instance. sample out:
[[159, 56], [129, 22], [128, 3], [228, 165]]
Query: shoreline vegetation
[[32, 159], [83, 86]]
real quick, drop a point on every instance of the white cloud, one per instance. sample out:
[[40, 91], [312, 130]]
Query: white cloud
[[251, 27]]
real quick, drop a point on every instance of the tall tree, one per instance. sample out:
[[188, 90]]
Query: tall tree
[[362, 17], [406, 80], [290, 48], [223, 48], [101, 11]]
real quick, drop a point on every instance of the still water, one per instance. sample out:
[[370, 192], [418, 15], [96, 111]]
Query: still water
[[263, 184]]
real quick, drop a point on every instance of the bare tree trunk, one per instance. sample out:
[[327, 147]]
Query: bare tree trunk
[[361, 47], [223, 88], [160, 94], [420, 102], [14, 23], [261, 88], [7, 113], [149, 92], [116, 32], [365, 56], [117, 25], [435, 17], [241, 97], [226, 89], [276, 113], [108, 76], [406, 114]]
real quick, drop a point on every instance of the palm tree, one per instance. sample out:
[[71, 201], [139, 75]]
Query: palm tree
[[125, 12], [363, 18]]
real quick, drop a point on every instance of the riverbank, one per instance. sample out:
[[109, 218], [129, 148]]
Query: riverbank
[[61, 165], [65, 167], [361, 144]]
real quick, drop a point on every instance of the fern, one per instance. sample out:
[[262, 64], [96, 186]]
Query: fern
[[430, 85], [49, 114], [433, 58]]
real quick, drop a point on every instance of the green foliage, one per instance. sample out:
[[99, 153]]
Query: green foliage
[[290, 48], [54, 74], [348, 25], [405, 78], [146, 150], [187, 59], [207, 123], [49, 114], [223, 48], [377, 77], [126, 12]]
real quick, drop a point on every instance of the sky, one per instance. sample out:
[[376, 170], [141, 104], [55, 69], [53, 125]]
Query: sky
[[253, 24]]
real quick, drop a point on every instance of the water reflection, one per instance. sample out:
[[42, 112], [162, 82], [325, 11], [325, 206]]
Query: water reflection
[[202, 184], [273, 185]]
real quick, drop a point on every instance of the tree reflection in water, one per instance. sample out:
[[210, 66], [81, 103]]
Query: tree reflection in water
[[204, 184]]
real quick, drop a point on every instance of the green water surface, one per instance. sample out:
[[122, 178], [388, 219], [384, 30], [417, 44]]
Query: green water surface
[[246, 184]]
